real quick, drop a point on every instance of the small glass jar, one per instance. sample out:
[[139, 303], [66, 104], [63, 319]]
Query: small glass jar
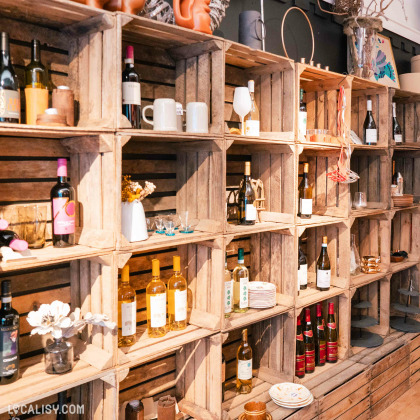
[[59, 356]]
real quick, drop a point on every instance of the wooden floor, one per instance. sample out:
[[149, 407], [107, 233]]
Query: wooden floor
[[406, 407]]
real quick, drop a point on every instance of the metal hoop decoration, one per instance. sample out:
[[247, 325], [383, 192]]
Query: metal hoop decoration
[[310, 27]]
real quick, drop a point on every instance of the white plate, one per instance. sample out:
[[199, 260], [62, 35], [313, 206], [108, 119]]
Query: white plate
[[289, 392], [261, 286], [295, 406]]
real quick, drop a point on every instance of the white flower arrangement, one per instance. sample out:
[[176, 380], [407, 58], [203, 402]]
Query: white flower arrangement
[[54, 319]]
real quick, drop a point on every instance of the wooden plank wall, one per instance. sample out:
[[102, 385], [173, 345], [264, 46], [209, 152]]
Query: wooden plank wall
[[401, 280], [402, 232], [408, 163], [407, 116]]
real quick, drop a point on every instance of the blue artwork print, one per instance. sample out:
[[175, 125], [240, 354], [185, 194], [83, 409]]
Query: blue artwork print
[[382, 67]]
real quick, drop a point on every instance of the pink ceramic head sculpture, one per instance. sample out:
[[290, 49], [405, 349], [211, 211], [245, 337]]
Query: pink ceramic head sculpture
[[126, 6], [193, 14]]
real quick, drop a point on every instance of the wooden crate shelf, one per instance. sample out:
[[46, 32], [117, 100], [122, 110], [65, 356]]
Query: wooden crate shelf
[[408, 163]]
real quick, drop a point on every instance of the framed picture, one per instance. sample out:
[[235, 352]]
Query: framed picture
[[384, 69]]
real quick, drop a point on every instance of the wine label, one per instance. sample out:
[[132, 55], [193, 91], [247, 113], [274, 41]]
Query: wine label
[[309, 360], [308, 333], [245, 369], [306, 206], [331, 325], [9, 350], [322, 353], [9, 104], [299, 337], [303, 275], [158, 310], [250, 213], [398, 138], [300, 365], [128, 318], [371, 135], [302, 119], [252, 128], [131, 93], [323, 278], [64, 212], [180, 305], [228, 296], [332, 355], [243, 292]]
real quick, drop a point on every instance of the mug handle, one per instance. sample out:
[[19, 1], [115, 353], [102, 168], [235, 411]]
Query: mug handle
[[263, 29], [144, 114]]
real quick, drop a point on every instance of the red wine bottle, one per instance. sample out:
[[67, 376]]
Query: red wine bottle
[[9, 336], [63, 208], [12, 240], [300, 351], [131, 92], [308, 337], [331, 335], [9, 84], [320, 342]]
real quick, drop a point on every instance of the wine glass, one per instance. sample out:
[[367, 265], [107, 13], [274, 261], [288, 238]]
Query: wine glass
[[242, 104]]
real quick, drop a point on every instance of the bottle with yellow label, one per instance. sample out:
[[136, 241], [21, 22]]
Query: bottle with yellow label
[[156, 303], [177, 298], [127, 310]]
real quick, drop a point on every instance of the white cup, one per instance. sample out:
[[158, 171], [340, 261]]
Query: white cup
[[164, 115], [197, 117]]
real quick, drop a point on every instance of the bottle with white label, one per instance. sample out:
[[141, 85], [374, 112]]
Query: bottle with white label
[[323, 268], [127, 310], [396, 128], [303, 116], [247, 212], [228, 290], [131, 92], [156, 303], [177, 298], [370, 133], [244, 366], [240, 284], [303, 270], [305, 195], [252, 120]]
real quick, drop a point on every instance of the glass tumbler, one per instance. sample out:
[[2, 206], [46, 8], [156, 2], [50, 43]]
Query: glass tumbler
[[360, 201], [34, 224]]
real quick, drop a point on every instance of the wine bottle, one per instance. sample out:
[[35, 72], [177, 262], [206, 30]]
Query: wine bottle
[[62, 402], [305, 195], [370, 134], [308, 337], [303, 115], [300, 351], [36, 85], [244, 366], [9, 336], [12, 240], [228, 290], [396, 128], [156, 303], [303, 270], [398, 180], [223, 376], [247, 214], [252, 120], [323, 268], [240, 284], [134, 410], [131, 90], [177, 298], [63, 208], [331, 335], [127, 310], [9, 85], [320, 342]]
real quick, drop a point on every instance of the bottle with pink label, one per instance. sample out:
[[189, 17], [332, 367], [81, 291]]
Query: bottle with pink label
[[63, 208]]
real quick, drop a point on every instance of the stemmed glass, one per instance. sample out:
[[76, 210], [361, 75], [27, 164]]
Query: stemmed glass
[[242, 104], [187, 223], [159, 223]]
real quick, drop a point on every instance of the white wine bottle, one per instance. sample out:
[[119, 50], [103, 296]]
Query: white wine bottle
[[252, 120], [228, 290], [240, 285], [396, 128], [127, 310], [247, 212], [305, 195], [156, 303], [303, 116], [177, 298], [370, 133], [323, 268], [244, 366], [303, 270]]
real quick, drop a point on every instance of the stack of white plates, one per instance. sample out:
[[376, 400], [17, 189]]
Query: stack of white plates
[[261, 294], [290, 395]]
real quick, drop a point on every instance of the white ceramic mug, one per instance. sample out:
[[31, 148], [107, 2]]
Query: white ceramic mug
[[197, 117], [164, 115]]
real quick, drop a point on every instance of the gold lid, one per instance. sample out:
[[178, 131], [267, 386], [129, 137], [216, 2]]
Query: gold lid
[[324, 239], [177, 263], [248, 168], [155, 268], [125, 274], [305, 168], [245, 335]]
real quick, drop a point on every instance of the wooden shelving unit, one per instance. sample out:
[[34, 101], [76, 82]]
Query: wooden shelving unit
[[83, 48]]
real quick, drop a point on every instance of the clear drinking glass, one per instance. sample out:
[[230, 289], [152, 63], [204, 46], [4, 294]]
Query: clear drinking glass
[[159, 223], [169, 227], [360, 201], [150, 223], [354, 257], [242, 104], [187, 223], [34, 224]]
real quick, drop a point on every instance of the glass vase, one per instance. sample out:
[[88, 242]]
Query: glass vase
[[354, 257], [59, 356]]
